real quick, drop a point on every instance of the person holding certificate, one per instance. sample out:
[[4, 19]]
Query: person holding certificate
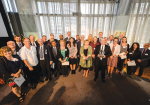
[[63, 57], [11, 65], [86, 57], [124, 48], [113, 59], [72, 46], [133, 56]]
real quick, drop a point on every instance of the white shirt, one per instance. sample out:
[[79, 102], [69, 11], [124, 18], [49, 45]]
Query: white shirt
[[19, 44], [103, 47], [29, 55], [82, 43], [41, 47]]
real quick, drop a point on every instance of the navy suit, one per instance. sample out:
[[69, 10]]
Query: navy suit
[[145, 57], [45, 64]]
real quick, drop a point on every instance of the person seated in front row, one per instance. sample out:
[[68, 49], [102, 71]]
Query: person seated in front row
[[72, 46], [133, 55], [63, 57], [11, 44], [12, 66], [145, 56]]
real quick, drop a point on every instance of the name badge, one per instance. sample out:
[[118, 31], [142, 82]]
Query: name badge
[[94, 48], [130, 53], [65, 49], [146, 54], [46, 51], [124, 46]]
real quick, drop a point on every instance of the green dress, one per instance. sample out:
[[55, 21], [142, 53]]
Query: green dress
[[63, 54]]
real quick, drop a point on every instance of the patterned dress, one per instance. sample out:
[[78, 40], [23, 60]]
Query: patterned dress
[[112, 62]]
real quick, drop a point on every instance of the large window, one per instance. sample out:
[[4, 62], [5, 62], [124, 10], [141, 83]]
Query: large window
[[81, 17]]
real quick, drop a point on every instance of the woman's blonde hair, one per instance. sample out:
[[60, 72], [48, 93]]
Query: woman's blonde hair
[[91, 38], [5, 49], [63, 41]]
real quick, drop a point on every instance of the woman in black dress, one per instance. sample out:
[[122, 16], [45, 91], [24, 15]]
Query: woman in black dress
[[11, 65], [133, 55]]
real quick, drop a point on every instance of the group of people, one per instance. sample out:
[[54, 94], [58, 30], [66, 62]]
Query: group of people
[[51, 57]]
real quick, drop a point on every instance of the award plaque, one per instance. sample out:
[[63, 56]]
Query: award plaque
[[101, 53]]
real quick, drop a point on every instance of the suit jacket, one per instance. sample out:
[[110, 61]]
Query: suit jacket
[[59, 53], [17, 47], [78, 47], [54, 56], [134, 56], [36, 44], [47, 54], [107, 54], [145, 57]]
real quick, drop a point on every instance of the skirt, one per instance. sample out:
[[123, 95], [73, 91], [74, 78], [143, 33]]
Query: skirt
[[73, 60], [86, 68], [112, 62], [11, 83]]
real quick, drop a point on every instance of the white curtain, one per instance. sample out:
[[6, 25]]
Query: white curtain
[[139, 23], [81, 17]]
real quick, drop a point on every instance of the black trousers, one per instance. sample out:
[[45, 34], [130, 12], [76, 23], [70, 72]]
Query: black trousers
[[120, 63], [34, 75], [131, 69], [141, 70], [93, 64], [64, 70], [99, 67], [45, 69]]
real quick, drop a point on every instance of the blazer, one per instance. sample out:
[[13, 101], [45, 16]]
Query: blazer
[[145, 57], [134, 56], [37, 44], [47, 54], [54, 56], [107, 54], [117, 49], [17, 47], [66, 53]]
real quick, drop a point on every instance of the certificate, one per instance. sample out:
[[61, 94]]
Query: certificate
[[65, 63], [123, 56], [19, 81], [131, 63]]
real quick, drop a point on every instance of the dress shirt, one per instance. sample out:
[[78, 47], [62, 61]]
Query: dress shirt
[[41, 48], [29, 55], [34, 44]]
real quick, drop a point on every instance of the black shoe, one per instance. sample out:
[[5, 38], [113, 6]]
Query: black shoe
[[72, 72], [60, 73], [95, 79], [40, 81], [103, 80], [55, 75], [46, 79]]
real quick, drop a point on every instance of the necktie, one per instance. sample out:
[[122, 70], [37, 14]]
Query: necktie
[[20, 45], [143, 52], [41, 52], [33, 44], [55, 50]]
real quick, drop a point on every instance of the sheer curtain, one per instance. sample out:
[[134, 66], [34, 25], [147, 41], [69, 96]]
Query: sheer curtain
[[139, 23], [81, 17]]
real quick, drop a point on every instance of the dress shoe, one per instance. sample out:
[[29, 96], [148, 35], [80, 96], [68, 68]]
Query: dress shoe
[[46, 79], [40, 81], [33, 86], [55, 75], [50, 78]]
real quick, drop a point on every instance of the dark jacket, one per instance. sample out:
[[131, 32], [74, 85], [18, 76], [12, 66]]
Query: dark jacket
[[107, 54], [37, 44], [17, 47], [59, 53], [145, 57], [54, 56], [78, 47], [134, 56], [98, 40], [47, 54]]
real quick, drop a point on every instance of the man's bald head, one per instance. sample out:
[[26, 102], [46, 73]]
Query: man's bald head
[[40, 41], [146, 45], [120, 36]]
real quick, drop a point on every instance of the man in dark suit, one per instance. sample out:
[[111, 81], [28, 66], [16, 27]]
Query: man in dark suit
[[145, 57], [18, 42], [32, 40], [79, 44], [61, 37], [100, 37], [45, 59], [120, 38], [44, 38], [102, 52], [77, 39], [55, 58], [68, 38]]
